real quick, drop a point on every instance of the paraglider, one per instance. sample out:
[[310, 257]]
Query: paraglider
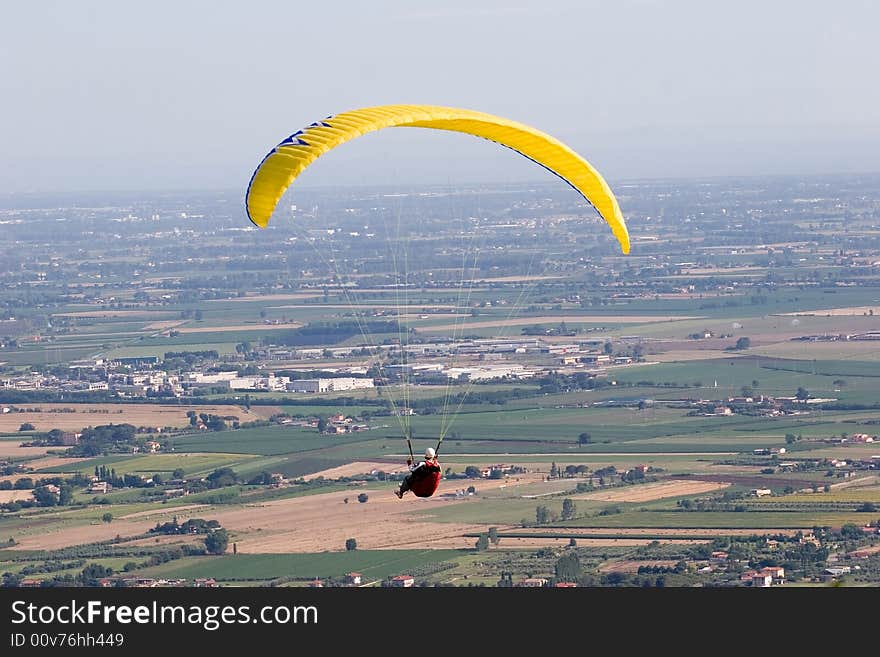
[[286, 161], [292, 155], [423, 477]]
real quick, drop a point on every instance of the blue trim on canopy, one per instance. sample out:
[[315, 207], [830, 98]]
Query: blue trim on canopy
[[251, 182], [294, 140]]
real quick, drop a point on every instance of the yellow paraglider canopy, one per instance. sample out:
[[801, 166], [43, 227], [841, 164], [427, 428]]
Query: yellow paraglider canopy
[[289, 158]]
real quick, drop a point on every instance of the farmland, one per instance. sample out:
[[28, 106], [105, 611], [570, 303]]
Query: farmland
[[75, 417], [702, 395], [374, 565]]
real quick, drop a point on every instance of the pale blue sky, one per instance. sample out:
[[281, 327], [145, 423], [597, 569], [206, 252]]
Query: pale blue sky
[[180, 94]]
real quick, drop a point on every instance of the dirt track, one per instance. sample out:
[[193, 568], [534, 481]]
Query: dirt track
[[653, 491]]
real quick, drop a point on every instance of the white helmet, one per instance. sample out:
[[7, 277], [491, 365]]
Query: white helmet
[[429, 453]]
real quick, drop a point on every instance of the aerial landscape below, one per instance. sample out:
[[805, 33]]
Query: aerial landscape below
[[189, 400]]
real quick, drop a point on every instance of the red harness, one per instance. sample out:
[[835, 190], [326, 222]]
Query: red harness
[[425, 479]]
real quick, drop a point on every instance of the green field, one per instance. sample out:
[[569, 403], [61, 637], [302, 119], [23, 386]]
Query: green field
[[192, 464], [372, 564], [267, 441]]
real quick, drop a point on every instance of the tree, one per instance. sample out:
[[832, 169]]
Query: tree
[[322, 424], [584, 438], [554, 471], [568, 568], [198, 315], [638, 351], [493, 535], [45, 497], [851, 530], [27, 426], [107, 517], [54, 436], [482, 542], [215, 423], [568, 509], [505, 582], [222, 477], [802, 395], [608, 348], [65, 493], [264, 478], [542, 515], [790, 438], [351, 544], [363, 497], [743, 343], [12, 580], [472, 472], [217, 541], [179, 473], [93, 572]]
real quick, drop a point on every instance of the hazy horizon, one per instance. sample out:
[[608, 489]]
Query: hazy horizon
[[104, 97]]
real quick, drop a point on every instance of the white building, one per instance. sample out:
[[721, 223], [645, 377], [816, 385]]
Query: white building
[[269, 382], [328, 385], [488, 373]]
